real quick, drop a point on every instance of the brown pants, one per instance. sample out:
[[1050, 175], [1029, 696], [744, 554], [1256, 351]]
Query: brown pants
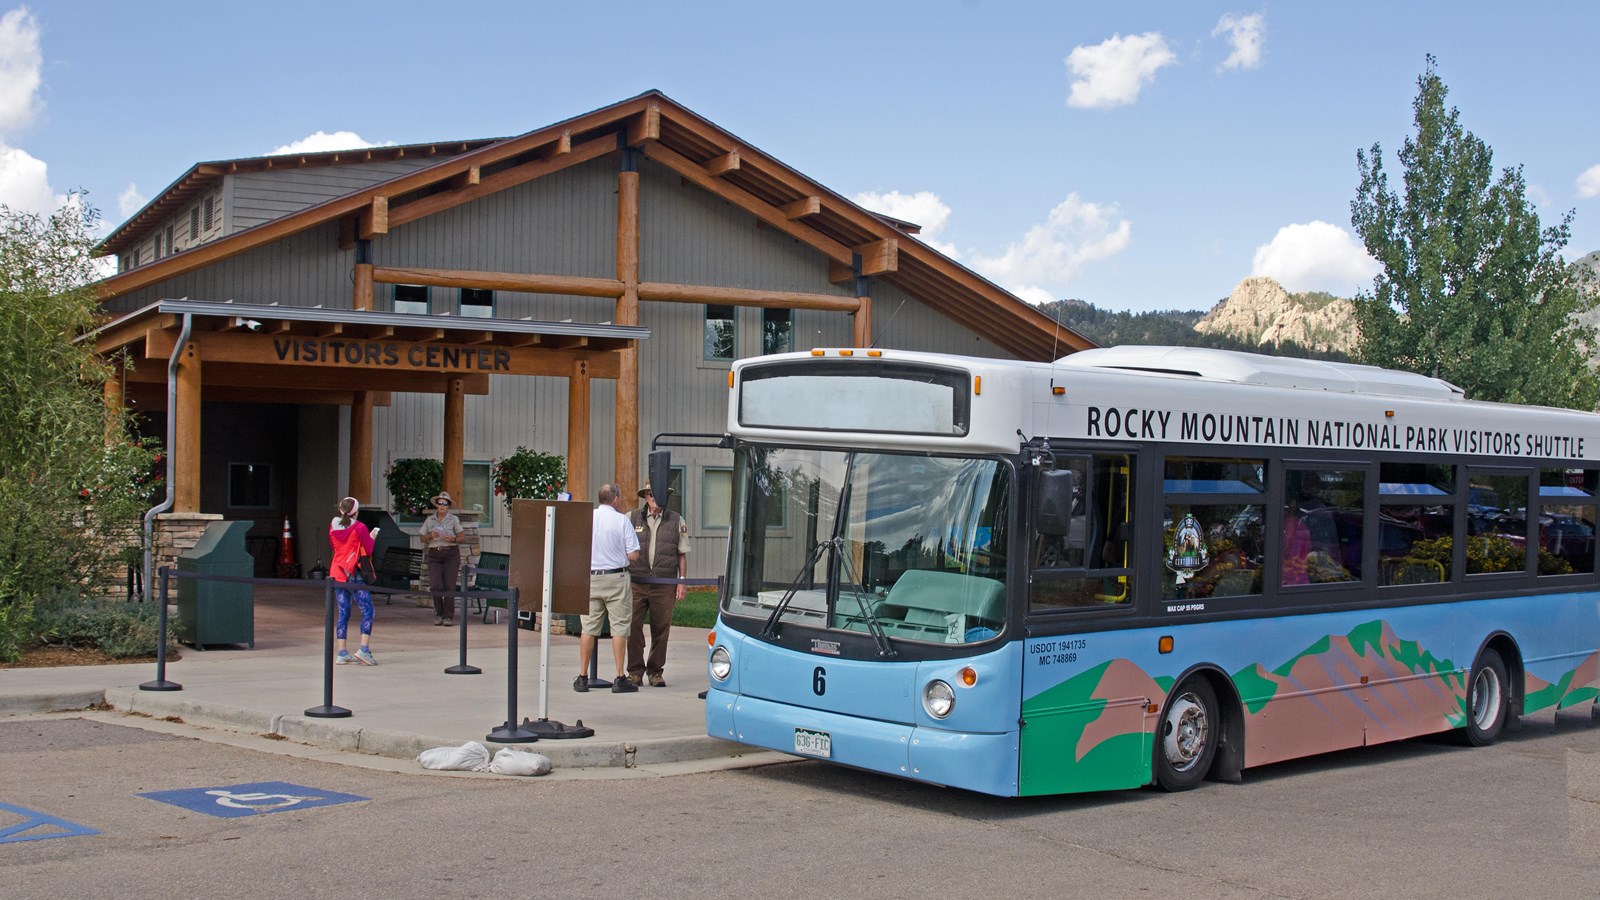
[[444, 567], [657, 600]]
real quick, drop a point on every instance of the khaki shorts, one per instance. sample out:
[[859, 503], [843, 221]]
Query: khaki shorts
[[609, 595]]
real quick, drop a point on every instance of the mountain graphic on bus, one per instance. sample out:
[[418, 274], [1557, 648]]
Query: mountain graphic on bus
[[1313, 702]]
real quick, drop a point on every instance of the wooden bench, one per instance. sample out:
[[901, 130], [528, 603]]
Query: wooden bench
[[399, 567]]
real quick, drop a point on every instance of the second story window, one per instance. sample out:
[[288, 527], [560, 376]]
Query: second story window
[[477, 303], [411, 298], [210, 213], [777, 330], [719, 331], [194, 224]]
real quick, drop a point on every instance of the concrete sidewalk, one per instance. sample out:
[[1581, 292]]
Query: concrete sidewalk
[[406, 704]]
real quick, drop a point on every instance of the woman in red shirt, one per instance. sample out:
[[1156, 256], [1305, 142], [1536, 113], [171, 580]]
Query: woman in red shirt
[[351, 541]]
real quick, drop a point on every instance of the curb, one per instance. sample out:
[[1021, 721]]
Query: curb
[[346, 736], [49, 701]]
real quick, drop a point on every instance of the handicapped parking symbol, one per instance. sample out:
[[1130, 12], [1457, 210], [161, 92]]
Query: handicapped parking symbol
[[233, 801], [257, 801]]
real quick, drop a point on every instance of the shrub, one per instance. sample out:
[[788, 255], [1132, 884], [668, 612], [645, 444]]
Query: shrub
[[16, 628], [117, 629], [413, 483]]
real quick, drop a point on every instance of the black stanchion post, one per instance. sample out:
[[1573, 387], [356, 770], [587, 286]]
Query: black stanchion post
[[161, 683], [327, 710], [462, 668], [510, 733]]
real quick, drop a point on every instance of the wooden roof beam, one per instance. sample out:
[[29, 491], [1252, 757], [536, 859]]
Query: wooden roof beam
[[805, 206], [374, 220], [467, 179], [501, 281], [506, 178], [646, 126], [759, 208], [722, 165], [695, 293], [879, 257]]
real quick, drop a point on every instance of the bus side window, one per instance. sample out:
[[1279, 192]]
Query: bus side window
[[1088, 566]]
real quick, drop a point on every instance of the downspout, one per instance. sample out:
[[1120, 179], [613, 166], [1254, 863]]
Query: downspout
[[172, 437]]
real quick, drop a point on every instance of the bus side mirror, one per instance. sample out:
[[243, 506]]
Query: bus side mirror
[[1052, 512], [660, 472]]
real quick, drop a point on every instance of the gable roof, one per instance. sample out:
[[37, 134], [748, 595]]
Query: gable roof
[[207, 176], [699, 152]]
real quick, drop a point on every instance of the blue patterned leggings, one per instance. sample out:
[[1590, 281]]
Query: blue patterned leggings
[[363, 598]]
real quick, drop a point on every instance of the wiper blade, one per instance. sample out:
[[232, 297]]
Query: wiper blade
[[880, 639], [770, 629]]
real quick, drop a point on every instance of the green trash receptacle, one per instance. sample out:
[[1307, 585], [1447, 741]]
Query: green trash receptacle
[[217, 612]]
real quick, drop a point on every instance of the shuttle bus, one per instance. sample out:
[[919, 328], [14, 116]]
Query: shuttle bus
[[1141, 565]]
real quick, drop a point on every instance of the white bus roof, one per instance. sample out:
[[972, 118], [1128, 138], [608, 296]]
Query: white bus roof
[[1272, 371]]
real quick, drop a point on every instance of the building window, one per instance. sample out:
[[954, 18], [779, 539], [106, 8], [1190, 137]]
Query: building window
[[476, 494], [170, 244], [777, 330], [194, 224], [716, 497], [136, 254], [719, 332], [477, 303], [411, 298], [157, 254], [210, 213], [249, 485]]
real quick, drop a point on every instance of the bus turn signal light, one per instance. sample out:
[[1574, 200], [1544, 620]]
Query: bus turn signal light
[[1164, 644], [969, 676]]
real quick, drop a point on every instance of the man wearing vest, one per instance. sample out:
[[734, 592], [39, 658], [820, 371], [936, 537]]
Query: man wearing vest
[[663, 553]]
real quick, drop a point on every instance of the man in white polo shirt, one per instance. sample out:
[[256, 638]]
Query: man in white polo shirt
[[612, 546]]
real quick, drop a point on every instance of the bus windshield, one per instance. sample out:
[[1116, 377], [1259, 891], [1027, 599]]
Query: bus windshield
[[909, 547]]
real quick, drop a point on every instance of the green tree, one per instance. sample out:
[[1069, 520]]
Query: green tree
[[72, 498], [1473, 290]]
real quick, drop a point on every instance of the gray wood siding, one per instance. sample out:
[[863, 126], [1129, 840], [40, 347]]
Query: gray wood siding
[[258, 197], [565, 224]]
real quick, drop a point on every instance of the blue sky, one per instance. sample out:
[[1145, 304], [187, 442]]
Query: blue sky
[[1137, 156]]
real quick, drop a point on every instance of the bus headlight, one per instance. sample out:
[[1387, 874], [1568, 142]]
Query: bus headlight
[[938, 698], [721, 664]]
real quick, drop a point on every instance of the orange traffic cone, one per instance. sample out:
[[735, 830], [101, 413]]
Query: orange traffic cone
[[286, 566]]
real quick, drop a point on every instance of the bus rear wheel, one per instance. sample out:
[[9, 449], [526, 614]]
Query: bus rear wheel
[[1487, 700], [1186, 739]]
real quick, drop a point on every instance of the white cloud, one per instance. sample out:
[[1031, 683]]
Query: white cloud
[[24, 182], [20, 63], [1050, 255], [24, 186], [323, 142], [131, 200], [1589, 183], [1112, 73], [923, 208], [1245, 34], [1315, 256]]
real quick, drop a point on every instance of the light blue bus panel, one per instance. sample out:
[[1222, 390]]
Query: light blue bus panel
[[869, 714]]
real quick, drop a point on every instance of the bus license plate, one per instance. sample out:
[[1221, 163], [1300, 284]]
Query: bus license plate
[[813, 743]]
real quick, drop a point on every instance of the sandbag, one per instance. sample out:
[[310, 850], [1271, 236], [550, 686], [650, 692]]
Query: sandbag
[[519, 762], [469, 757]]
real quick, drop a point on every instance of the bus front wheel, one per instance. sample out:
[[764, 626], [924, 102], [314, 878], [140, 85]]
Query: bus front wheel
[[1487, 700], [1186, 739]]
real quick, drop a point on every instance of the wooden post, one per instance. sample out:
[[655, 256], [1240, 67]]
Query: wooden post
[[863, 329], [361, 447], [578, 430], [113, 402], [186, 453], [455, 437], [363, 294], [627, 409]]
